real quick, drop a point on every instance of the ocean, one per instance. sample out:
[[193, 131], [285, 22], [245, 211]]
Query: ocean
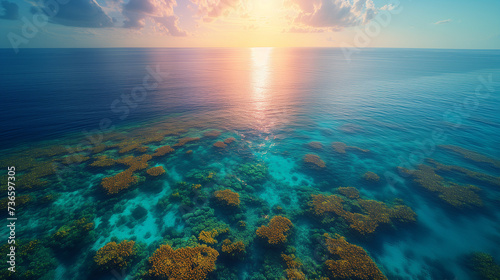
[[267, 163]]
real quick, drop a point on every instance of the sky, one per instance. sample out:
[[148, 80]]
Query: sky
[[450, 24]]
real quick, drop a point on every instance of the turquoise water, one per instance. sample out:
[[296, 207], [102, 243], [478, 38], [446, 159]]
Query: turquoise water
[[384, 110]]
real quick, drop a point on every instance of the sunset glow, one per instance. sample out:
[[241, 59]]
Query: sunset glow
[[252, 23]]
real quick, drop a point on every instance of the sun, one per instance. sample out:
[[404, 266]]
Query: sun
[[265, 8]]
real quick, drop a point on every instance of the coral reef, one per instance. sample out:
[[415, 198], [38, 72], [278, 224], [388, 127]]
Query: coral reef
[[234, 249], [201, 176], [373, 213], [163, 150], [252, 172], [33, 261], [371, 177], [227, 197], [350, 261], [341, 148], [229, 140], [72, 235], [212, 133], [472, 175], [314, 161], [220, 145], [128, 147], [277, 230], [190, 263], [203, 219], [103, 161], [472, 156], [115, 255], [348, 192], [453, 194], [119, 182], [315, 145], [485, 266], [209, 236], [156, 171], [20, 201], [185, 140], [292, 265], [135, 163]]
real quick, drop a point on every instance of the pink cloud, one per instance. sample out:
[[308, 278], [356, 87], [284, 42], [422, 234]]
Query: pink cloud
[[210, 10], [161, 12], [328, 15]]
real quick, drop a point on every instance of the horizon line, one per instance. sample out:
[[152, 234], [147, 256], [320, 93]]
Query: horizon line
[[280, 47]]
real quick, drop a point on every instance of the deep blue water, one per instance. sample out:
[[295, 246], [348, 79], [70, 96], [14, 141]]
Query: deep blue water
[[274, 102]]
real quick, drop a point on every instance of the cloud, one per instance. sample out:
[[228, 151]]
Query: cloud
[[161, 12], [77, 13], [329, 15], [10, 10], [443, 21], [210, 10]]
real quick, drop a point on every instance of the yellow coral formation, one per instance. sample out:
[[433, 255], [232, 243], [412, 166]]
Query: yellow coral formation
[[119, 182], [209, 236], [229, 140], [322, 204], [115, 255], [350, 261], [371, 177], [277, 231], [190, 263], [161, 151], [454, 194], [156, 171], [292, 264], [129, 147], [348, 192], [227, 197], [374, 212], [220, 144], [470, 155], [473, 175], [103, 161], [135, 163], [185, 140], [233, 248], [314, 161]]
